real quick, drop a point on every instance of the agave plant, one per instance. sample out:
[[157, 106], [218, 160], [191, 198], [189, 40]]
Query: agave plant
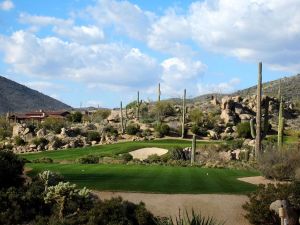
[[187, 219]]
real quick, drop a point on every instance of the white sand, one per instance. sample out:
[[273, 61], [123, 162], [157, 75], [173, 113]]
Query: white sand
[[143, 153], [259, 180], [226, 208]]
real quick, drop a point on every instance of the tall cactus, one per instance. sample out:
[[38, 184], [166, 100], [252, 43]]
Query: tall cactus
[[122, 118], [159, 92], [183, 114], [258, 112], [265, 121], [280, 123], [138, 104], [193, 150]]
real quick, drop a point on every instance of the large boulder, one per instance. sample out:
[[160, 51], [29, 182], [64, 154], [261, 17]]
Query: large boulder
[[114, 116]]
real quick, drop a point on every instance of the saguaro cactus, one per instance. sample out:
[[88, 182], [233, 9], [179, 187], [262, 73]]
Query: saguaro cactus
[[258, 112], [122, 118], [193, 150], [158, 92], [265, 121], [280, 123], [183, 114], [138, 104]]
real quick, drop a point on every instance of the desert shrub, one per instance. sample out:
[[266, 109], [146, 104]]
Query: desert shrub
[[89, 159], [148, 119], [244, 130], [110, 130], [178, 153], [189, 219], [132, 129], [244, 155], [280, 164], [197, 117], [40, 141], [43, 160], [146, 133], [19, 141], [162, 129], [11, 169], [126, 157], [5, 128], [179, 130], [100, 115], [258, 205], [75, 117], [53, 124], [116, 211], [235, 144], [153, 158], [163, 109], [196, 129], [93, 136], [57, 143]]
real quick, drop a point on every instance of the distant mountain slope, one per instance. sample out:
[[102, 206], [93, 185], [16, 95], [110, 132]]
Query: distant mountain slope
[[290, 88], [15, 97]]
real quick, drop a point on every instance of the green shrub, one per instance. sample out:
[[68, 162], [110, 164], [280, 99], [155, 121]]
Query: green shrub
[[162, 129], [178, 153], [111, 130], [100, 115], [11, 169], [196, 129], [197, 116], [153, 158], [43, 160], [244, 130], [40, 141], [235, 144], [5, 128], [19, 141], [89, 159], [126, 157], [93, 136], [132, 129], [53, 124], [75, 117]]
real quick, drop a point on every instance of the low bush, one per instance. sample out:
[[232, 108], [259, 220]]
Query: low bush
[[196, 129], [19, 141], [75, 117], [89, 159], [40, 141], [5, 128], [280, 163], [53, 124], [111, 130], [132, 129], [258, 205], [43, 160], [126, 157], [244, 130], [153, 158], [11, 169], [93, 136], [178, 153], [162, 129]]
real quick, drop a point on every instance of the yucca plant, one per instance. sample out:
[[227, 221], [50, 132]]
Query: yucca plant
[[190, 219]]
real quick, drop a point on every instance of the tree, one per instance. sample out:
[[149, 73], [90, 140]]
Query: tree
[[77, 117]]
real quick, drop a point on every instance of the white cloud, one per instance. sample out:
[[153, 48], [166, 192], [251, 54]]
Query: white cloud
[[125, 17], [6, 5], [104, 64], [251, 30], [223, 87], [180, 73], [42, 21]]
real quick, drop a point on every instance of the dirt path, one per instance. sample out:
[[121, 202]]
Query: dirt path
[[226, 208], [143, 153]]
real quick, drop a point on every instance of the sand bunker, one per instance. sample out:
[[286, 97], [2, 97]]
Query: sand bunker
[[143, 153], [259, 180]]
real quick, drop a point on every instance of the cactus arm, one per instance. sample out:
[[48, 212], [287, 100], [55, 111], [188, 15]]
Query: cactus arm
[[252, 128], [258, 112]]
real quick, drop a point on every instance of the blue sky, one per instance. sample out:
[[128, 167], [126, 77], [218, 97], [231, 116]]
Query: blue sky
[[100, 52]]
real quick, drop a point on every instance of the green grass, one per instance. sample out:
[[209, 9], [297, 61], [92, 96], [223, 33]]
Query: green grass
[[154, 179], [109, 150]]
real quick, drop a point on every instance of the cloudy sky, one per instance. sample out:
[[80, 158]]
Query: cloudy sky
[[98, 52]]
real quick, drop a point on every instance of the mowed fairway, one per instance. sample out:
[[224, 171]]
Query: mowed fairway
[[154, 179], [111, 149]]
